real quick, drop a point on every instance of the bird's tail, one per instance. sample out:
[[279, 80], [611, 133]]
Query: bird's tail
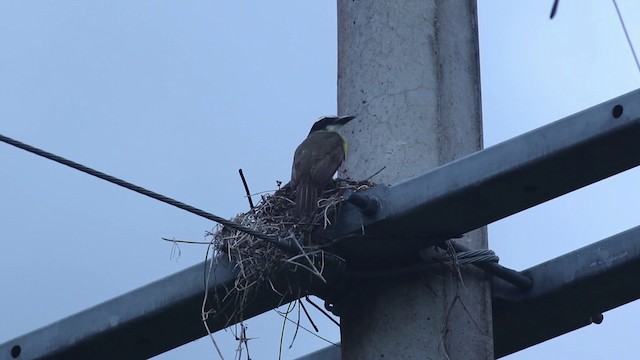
[[306, 200]]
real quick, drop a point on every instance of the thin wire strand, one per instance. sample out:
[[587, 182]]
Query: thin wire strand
[[285, 245], [626, 33], [309, 331]]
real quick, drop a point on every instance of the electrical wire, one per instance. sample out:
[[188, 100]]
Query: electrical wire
[[626, 33], [281, 243]]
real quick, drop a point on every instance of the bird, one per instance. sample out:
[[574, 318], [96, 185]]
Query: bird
[[316, 160]]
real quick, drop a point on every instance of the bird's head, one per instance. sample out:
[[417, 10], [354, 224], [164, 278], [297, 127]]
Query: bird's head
[[330, 123]]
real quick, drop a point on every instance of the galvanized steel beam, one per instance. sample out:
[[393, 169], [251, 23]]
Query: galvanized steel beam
[[569, 292], [496, 182], [154, 318]]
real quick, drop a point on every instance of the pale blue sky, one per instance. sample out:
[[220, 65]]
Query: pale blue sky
[[176, 96]]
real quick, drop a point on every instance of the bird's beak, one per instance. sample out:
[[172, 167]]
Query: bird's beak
[[345, 119]]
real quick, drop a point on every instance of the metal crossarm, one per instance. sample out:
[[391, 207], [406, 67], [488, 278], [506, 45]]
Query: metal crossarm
[[569, 292], [498, 181], [152, 319]]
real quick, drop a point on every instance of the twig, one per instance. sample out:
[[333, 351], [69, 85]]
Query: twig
[[204, 312], [309, 331], [264, 192], [443, 328], [246, 188], [246, 340], [313, 268], [286, 317], [453, 255], [469, 314], [243, 340], [175, 250], [175, 241], [322, 311], [295, 334], [308, 316], [376, 173]]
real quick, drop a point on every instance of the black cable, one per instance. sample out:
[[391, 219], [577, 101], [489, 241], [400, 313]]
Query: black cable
[[282, 244]]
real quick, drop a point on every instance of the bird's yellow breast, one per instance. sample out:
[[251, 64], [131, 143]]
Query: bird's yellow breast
[[345, 145]]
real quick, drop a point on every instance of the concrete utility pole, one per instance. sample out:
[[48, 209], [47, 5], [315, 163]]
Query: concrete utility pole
[[409, 70]]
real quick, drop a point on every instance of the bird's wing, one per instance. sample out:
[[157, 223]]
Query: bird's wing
[[327, 163]]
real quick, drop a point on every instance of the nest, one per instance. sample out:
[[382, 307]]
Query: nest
[[257, 260]]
